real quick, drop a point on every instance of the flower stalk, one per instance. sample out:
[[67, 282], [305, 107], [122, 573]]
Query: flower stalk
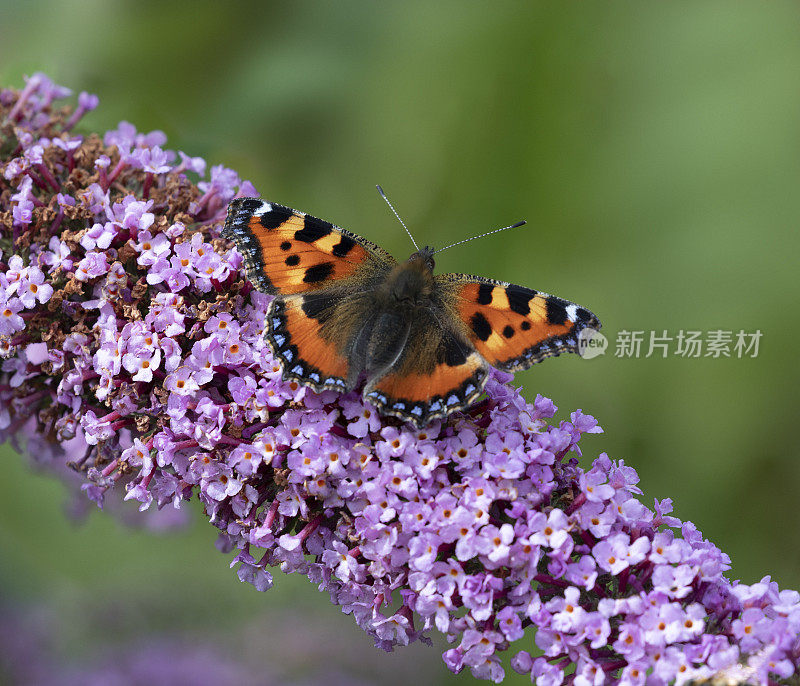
[[134, 353]]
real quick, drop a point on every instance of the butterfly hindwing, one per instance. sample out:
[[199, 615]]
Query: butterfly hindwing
[[513, 327], [438, 373], [287, 251], [295, 338]]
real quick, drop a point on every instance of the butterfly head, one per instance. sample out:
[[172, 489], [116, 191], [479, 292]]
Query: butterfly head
[[425, 256]]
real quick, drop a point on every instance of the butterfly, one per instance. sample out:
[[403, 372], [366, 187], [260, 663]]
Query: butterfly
[[346, 310]]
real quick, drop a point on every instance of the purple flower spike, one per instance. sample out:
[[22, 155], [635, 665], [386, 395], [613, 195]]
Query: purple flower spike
[[133, 351]]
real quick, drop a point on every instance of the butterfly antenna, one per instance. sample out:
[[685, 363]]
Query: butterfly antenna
[[481, 235], [383, 195]]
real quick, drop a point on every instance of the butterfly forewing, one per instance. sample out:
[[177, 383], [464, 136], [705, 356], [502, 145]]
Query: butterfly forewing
[[513, 327], [287, 251]]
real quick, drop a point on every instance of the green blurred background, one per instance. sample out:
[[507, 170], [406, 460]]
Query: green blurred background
[[652, 147]]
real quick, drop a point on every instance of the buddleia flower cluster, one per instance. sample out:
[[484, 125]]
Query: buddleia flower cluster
[[134, 353]]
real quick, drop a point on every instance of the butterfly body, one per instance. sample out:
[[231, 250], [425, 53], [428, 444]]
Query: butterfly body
[[346, 311], [403, 295]]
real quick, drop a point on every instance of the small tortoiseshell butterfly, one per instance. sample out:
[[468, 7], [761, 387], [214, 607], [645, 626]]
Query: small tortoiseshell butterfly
[[345, 308]]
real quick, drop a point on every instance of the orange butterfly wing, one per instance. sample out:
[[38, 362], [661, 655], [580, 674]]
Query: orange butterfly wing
[[305, 354], [286, 251], [513, 327], [437, 373]]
